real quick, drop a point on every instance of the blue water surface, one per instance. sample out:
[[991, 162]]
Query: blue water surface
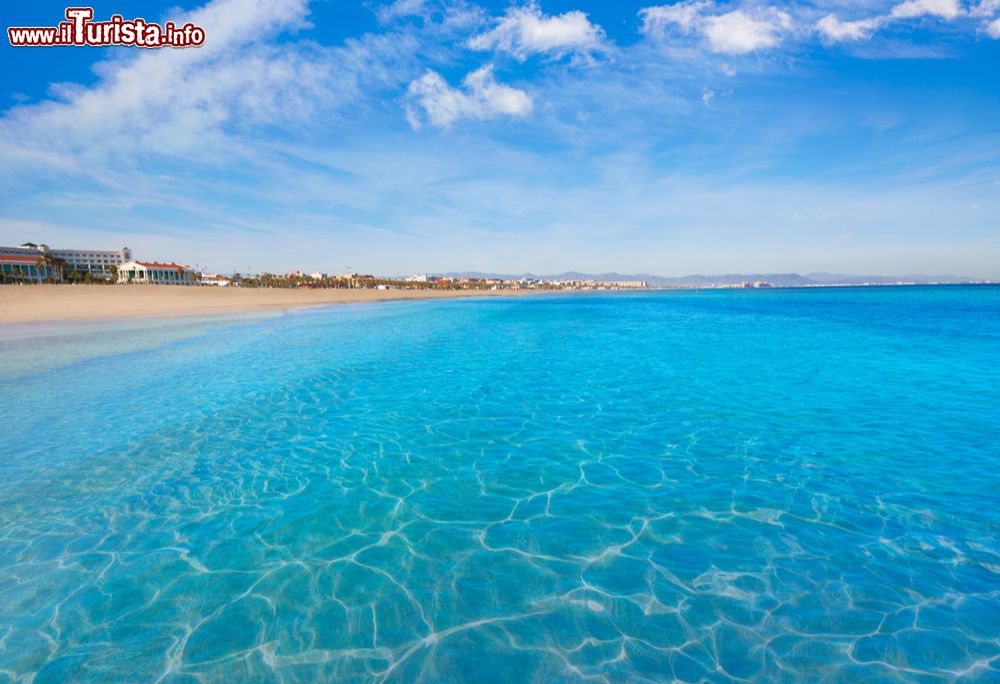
[[786, 485]]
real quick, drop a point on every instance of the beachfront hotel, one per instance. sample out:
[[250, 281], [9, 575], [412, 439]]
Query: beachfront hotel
[[31, 262], [24, 261], [154, 273], [23, 267]]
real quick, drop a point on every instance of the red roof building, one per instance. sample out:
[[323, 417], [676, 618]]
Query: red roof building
[[155, 273]]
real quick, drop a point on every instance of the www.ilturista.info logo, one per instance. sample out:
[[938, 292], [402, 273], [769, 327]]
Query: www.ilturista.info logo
[[79, 30]]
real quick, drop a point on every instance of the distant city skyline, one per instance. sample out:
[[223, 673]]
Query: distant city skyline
[[433, 136]]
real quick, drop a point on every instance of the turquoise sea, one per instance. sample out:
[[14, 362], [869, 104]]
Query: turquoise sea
[[721, 486]]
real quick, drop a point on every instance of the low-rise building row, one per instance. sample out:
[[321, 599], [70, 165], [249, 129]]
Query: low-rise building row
[[37, 263]]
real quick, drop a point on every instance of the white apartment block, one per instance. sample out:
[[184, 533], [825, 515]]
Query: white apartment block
[[97, 262]]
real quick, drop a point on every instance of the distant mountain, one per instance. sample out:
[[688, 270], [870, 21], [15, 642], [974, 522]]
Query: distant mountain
[[778, 279], [697, 280], [844, 279]]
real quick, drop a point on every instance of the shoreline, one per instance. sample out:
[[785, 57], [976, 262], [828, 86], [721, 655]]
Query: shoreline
[[47, 303], [59, 303]]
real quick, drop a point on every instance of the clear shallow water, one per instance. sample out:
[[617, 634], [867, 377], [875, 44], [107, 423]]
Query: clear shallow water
[[27, 348], [721, 486]]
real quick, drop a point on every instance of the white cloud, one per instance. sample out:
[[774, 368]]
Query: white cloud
[[985, 8], [167, 100], [525, 31], [736, 32], [836, 30], [684, 15], [945, 9], [401, 8], [481, 97], [993, 29], [441, 18], [198, 103]]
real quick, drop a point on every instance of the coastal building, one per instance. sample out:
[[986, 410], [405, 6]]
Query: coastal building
[[213, 279], [154, 273], [590, 284], [31, 262], [24, 267], [98, 263]]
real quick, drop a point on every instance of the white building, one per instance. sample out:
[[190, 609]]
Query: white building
[[154, 273], [96, 262], [213, 279]]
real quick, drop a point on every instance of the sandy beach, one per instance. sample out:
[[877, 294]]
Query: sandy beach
[[25, 303]]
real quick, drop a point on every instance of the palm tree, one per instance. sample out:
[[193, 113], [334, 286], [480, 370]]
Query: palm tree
[[45, 260], [113, 268], [54, 264], [60, 266]]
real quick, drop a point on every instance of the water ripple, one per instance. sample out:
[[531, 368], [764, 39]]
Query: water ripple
[[738, 487]]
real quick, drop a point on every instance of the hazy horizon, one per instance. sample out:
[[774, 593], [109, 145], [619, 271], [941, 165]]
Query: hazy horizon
[[430, 136]]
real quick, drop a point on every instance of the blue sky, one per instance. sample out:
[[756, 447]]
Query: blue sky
[[437, 135]]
